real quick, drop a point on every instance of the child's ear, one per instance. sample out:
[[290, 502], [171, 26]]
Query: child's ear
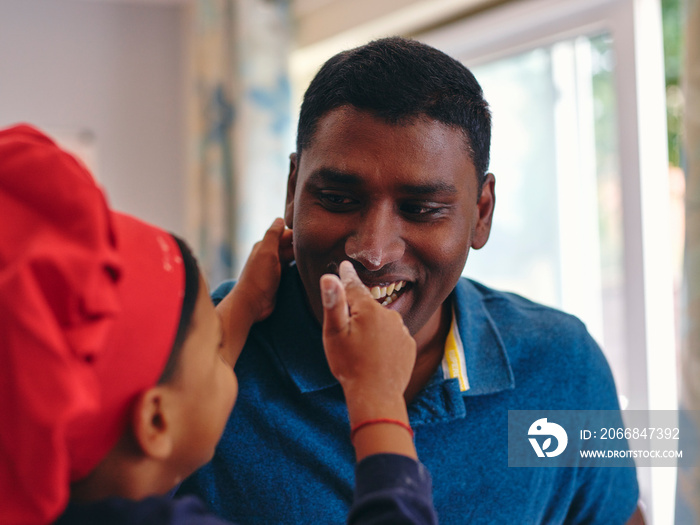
[[153, 423]]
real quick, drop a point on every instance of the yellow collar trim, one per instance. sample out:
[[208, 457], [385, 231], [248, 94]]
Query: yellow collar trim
[[453, 362]]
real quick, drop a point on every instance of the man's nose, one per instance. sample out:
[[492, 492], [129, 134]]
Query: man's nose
[[376, 241]]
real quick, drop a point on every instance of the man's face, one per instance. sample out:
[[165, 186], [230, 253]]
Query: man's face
[[398, 201]]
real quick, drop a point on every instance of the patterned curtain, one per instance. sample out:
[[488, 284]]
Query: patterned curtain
[[239, 131], [688, 508]]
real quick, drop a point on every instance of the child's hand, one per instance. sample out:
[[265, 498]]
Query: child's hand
[[369, 349], [260, 277]]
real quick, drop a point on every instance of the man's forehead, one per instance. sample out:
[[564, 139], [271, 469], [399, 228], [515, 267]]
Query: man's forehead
[[349, 142], [333, 123]]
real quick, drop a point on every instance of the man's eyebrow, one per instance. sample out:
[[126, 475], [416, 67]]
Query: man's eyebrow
[[330, 176], [437, 187]]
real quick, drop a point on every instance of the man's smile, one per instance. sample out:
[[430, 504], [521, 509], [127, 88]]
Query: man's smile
[[386, 295], [385, 290]]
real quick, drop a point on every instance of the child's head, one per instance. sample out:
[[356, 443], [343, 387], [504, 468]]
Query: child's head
[[109, 367], [197, 372], [173, 423], [197, 390]]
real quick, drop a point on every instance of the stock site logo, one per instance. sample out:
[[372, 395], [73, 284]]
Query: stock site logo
[[543, 428]]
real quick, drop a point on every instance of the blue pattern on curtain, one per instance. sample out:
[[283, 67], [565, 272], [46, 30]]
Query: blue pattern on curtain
[[239, 128]]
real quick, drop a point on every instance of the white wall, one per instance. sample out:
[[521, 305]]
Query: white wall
[[115, 69]]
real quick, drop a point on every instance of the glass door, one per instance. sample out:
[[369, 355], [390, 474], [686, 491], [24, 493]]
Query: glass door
[[579, 155]]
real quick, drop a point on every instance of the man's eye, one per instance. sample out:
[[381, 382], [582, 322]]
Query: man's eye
[[335, 201], [422, 210]]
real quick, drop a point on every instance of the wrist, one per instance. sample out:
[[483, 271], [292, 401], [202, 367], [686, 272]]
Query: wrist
[[246, 305], [380, 421], [382, 436], [236, 305], [367, 407]]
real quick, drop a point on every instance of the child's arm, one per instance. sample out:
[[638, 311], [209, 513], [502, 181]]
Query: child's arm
[[253, 297], [372, 354]]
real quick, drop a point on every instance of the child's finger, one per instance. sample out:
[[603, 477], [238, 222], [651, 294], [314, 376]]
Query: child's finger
[[335, 307], [274, 232], [354, 288]]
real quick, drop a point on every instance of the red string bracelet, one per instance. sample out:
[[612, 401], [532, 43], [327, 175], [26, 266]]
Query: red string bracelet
[[380, 420]]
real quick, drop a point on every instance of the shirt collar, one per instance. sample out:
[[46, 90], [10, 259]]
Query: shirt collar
[[487, 364], [295, 337]]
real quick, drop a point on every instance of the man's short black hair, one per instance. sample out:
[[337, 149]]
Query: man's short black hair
[[399, 79]]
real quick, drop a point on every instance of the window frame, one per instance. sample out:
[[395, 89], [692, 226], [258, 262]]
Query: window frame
[[636, 30]]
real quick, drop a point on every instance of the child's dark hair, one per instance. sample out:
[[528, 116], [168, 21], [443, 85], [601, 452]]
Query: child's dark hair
[[188, 304], [398, 80]]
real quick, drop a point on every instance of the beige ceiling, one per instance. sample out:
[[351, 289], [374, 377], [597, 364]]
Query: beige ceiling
[[318, 20]]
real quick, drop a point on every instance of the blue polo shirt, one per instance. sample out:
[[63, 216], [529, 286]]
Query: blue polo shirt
[[286, 456]]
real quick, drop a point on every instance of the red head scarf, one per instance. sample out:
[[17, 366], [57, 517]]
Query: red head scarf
[[90, 301]]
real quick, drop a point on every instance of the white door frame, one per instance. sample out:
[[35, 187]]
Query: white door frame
[[635, 26]]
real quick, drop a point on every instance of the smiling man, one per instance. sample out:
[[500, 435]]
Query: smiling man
[[403, 203], [391, 173]]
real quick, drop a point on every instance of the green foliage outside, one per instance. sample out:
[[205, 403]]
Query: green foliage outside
[[673, 26]]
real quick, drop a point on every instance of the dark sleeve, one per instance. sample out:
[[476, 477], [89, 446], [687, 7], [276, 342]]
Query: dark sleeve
[[192, 511], [156, 510], [392, 489]]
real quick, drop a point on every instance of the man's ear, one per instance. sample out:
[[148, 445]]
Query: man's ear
[[291, 190], [484, 206], [153, 424]]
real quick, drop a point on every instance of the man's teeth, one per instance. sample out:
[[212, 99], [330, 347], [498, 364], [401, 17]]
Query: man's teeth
[[388, 293]]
